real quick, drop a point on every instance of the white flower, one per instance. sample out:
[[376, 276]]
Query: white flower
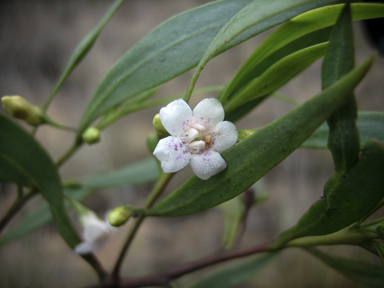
[[197, 137], [96, 233]]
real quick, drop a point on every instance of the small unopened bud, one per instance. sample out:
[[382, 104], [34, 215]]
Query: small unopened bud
[[244, 134], [19, 108], [91, 135], [152, 140], [161, 131], [119, 216]]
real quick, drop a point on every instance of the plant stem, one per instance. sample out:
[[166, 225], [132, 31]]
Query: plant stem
[[163, 278], [69, 153], [16, 206], [155, 193], [345, 236]]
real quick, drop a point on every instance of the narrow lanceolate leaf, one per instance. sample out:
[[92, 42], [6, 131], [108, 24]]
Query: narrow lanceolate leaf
[[369, 124], [134, 174], [299, 26], [343, 141], [355, 270], [235, 273], [38, 218], [83, 48], [277, 75], [347, 198], [251, 15], [173, 48], [29, 164], [251, 159], [249, 73]]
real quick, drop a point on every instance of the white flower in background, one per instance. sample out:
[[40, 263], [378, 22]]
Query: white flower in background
[[197, 137], [96, 233]]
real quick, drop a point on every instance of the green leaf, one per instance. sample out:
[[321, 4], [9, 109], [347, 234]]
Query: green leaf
[[28, 159], [299, 26], [134, 174], [369, 124], [355, 270], [139, 173], [277, 75], [251, 159], [173, 48], [40, 217], [247, 72], [347, 198], [254, 13], [23, 155], [234, 273], [343, 140], [83, 48], [305, 41]]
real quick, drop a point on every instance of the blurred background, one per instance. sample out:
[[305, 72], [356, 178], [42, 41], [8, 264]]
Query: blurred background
[[37, 39]]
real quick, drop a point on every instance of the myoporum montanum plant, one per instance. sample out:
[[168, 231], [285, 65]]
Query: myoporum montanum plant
[[197, 137]]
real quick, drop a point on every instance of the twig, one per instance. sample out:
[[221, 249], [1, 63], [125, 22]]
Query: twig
[[69, 153], [163, 278], [19, 202], [155, 193]]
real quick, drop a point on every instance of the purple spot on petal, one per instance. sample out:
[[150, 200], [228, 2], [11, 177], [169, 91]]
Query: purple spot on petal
[[176, 148]]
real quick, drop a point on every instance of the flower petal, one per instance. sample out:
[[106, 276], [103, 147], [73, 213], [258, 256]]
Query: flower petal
[[95, 232], [88, 247], [207, 164], [172, 153], [225, 136], [174, 116], [210, 110]]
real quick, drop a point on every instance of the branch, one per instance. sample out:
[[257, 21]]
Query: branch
[[16, 206], [163, 278]]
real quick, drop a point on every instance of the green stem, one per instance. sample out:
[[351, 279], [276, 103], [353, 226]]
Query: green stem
[[345, 236], [52, 123], [155, 193], [16, 206], [69, 153]]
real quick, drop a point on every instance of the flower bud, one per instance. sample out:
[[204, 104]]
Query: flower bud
[[119, 216], [91, 135], [152, 140], [244, 134], [161, 131], [20, 108]]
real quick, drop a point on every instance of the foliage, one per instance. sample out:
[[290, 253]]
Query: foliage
[[309, 30]]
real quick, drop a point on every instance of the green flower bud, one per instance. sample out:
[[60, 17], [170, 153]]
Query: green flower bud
[[20, 108], [119, 216], [152, 140], [91, 135], [161, 131], [244, 134]]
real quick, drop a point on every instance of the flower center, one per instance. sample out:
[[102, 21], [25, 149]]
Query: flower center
[[196, 137]]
